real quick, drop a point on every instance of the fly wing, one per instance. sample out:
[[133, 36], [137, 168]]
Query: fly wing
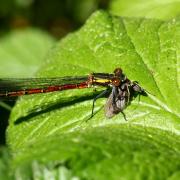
[[17, 87], [108, 108], [29, 83], [112, 109]]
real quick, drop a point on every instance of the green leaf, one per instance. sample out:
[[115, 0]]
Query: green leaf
[[162, 9], [104, 152], [22, 52], [4, 163], [51, 131]]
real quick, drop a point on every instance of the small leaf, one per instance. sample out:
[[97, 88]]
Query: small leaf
[[52, 128], [162, 9]]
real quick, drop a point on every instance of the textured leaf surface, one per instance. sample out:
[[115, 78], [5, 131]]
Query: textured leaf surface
[[162, 9], [4, 163], [104, 152], [52, 128]]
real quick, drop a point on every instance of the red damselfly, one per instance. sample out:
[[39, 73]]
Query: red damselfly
[[121, 89]]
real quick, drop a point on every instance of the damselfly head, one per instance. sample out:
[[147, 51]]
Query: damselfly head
[[116, 81]]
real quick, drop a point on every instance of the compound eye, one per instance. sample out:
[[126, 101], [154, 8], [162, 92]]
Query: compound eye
[[116, 82]]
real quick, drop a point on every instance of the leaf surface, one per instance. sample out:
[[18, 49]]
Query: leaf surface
[[4, 163], [162, 9]]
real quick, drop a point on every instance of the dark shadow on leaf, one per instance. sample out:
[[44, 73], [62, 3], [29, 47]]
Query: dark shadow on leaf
[[58, 105]]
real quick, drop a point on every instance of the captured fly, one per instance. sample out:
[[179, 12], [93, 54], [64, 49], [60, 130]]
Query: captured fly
[[122, 92]]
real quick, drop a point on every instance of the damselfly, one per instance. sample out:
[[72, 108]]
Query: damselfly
[[120, 87]]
